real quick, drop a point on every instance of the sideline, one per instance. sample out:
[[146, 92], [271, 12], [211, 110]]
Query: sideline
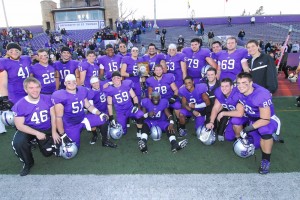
[[184, 186]]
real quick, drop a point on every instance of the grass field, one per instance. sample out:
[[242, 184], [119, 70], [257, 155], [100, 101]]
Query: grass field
[[194, 159]]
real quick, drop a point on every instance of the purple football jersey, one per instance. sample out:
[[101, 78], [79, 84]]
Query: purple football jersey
[[231, 63], [195, 61], [37, 116], [195, 96], [46, 76], [73, 105], [163, 86], [174, 67], [155, 60], [259, 98], [91, 70], [99, 99], [109, 64], [157, 109], [120, 96], [230, 102], [18, 71], [64, 69]]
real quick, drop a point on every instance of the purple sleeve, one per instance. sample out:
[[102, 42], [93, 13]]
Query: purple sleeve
[[83, 66], [18, 109], [58, 97]]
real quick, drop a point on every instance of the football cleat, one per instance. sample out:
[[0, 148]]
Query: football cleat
[[26, 169], [143, 146], [264, 167], [220, 138], [176, 146], [109, 143], [94, 139]]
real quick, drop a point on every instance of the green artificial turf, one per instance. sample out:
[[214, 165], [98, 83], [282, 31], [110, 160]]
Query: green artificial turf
[[195, 158]]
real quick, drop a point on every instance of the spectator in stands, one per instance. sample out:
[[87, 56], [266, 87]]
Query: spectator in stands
[[162, 41], [295, 47], [143, 50], [229, 20], [180, 41], [201, 28], [268, 46], [210, 36], [252, 21], [149, 26], [241, 34], [157, 33], [262, 67], [129, 45]]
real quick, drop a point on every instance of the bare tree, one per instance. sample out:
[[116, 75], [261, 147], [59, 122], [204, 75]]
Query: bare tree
[[243, 13], [124, 11], [259, 11]]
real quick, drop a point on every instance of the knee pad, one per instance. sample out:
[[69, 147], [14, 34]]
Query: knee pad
[[266, 137]]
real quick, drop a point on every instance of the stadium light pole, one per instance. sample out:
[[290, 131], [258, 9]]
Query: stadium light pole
[[5, 14], [155, 25]]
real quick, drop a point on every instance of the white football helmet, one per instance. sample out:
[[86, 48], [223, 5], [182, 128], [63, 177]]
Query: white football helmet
[[68, 150], [155, 133], [204, 70], [243, 148], [206, 136], [293, 77], [116, 132], [7, 118]]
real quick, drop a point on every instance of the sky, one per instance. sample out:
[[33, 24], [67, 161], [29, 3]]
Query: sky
[[28, 12]]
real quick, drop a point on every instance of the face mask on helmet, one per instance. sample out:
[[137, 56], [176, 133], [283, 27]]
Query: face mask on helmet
[[7, 118], [156, 133], [243, 148], [206, 136], [116, 132]]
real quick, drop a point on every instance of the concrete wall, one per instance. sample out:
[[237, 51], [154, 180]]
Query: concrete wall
[[111, 11], [47, 6]]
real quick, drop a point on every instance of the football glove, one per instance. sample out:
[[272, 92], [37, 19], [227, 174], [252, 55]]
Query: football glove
[[5, 103], [246, 130], [135, 108], [65, 139], [173, 99], [112, 121], [103, 116]]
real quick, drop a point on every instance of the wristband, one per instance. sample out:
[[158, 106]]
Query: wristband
[[171, 121], [94, 111]]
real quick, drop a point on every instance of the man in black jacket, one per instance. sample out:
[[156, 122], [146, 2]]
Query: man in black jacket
[[262, 67]]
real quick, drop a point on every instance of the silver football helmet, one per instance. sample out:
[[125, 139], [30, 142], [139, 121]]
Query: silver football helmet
[[243, 148], [116, 132], [7, 118], [155, 133], [293, 78], [204, 70], [68, 150], [206, 136]]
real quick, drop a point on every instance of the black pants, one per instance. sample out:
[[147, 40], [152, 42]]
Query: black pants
[[22, 146]]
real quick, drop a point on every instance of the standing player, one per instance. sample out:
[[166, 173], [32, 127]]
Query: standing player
[[109, 63], [196, 58], [13, 71], [123, 50], [194, 102], [121, 94], [259, 109], [153, 57], [69, 107], [65, 66], [44, 72], [129, 70], [176, 64], [37, 121], [233, 60], [157, 114], [88, 69]]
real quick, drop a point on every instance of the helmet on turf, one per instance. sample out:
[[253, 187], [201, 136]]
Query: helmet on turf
[[116, 132], [7, 118], [243, 147], [293, 77], [206, 136], [204, 70], [155, 133], [68, 150]]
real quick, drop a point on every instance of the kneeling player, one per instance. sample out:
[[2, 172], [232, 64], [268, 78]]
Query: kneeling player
[[157, 114], [194, 101], [34, 119]]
